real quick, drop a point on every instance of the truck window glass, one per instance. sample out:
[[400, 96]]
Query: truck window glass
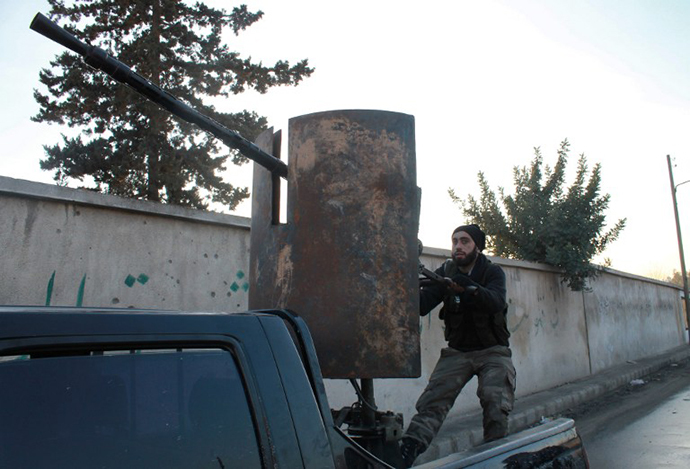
[[127, 409]]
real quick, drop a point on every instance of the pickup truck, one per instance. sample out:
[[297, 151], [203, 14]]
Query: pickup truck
[[106, 388]]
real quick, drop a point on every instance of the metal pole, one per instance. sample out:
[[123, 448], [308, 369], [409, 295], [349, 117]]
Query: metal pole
[[683, 272], [368, 412]]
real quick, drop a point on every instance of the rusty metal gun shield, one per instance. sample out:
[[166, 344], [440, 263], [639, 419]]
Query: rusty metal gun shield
[[346, 260]]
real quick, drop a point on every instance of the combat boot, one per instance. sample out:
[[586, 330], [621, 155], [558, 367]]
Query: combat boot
[[410, 449]]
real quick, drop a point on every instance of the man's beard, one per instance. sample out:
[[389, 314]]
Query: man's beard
[[468, 259]]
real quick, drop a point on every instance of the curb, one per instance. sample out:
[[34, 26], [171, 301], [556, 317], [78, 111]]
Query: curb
[[465, 431]]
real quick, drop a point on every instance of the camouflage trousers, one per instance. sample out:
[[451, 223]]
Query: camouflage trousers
[[495, 388]]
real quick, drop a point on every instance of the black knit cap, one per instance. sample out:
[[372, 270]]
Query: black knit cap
[[475, 233]]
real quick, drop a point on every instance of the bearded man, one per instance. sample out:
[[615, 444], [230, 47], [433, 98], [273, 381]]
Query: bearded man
[[474, 315]]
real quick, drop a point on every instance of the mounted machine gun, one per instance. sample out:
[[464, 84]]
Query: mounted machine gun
[[99, 59]]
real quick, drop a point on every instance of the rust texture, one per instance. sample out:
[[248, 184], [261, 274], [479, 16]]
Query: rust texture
[[346, 260]]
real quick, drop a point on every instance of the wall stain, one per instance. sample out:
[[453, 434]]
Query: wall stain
[[539, 324], [30, 220], [554, 324], [517, 326]]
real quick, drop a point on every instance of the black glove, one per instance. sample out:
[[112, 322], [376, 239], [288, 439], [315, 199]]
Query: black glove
[[464, 282]]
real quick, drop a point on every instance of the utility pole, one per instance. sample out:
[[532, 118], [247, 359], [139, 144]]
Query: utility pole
[[683, 272]]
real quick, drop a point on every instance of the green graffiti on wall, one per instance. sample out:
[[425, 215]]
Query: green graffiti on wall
[[49, 292], [131, 279], [244, 286], [80, 291]]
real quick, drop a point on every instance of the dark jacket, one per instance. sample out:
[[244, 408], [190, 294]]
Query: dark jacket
[[473, 321]]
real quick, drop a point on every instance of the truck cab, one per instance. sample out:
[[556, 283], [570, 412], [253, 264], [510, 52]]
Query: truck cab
[[85, 388]]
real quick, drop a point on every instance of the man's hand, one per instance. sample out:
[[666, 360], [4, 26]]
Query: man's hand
[[461, 283], [452, 286]]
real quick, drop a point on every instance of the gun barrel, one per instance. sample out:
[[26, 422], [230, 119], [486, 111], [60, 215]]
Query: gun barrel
[[99, 59]]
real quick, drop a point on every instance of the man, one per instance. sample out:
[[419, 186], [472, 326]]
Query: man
[[474, 314]]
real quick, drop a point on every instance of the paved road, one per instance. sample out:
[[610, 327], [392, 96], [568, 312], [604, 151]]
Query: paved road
[[641, 425]]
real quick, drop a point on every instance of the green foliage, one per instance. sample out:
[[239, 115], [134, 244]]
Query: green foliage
[[544, 222], [676, 278], [130, 146]]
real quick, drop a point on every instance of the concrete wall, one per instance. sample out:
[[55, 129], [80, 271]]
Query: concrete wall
[[69, 247], [557, 336], [630, 318]]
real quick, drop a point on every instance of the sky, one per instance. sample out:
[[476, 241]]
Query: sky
[[486, 81]]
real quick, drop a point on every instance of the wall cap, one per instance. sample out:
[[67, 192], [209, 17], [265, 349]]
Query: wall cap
[[445, 254], [37, 190]]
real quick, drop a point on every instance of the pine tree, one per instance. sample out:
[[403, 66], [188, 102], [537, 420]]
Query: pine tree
[[543, 223], [127, 144], [676, 278]]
